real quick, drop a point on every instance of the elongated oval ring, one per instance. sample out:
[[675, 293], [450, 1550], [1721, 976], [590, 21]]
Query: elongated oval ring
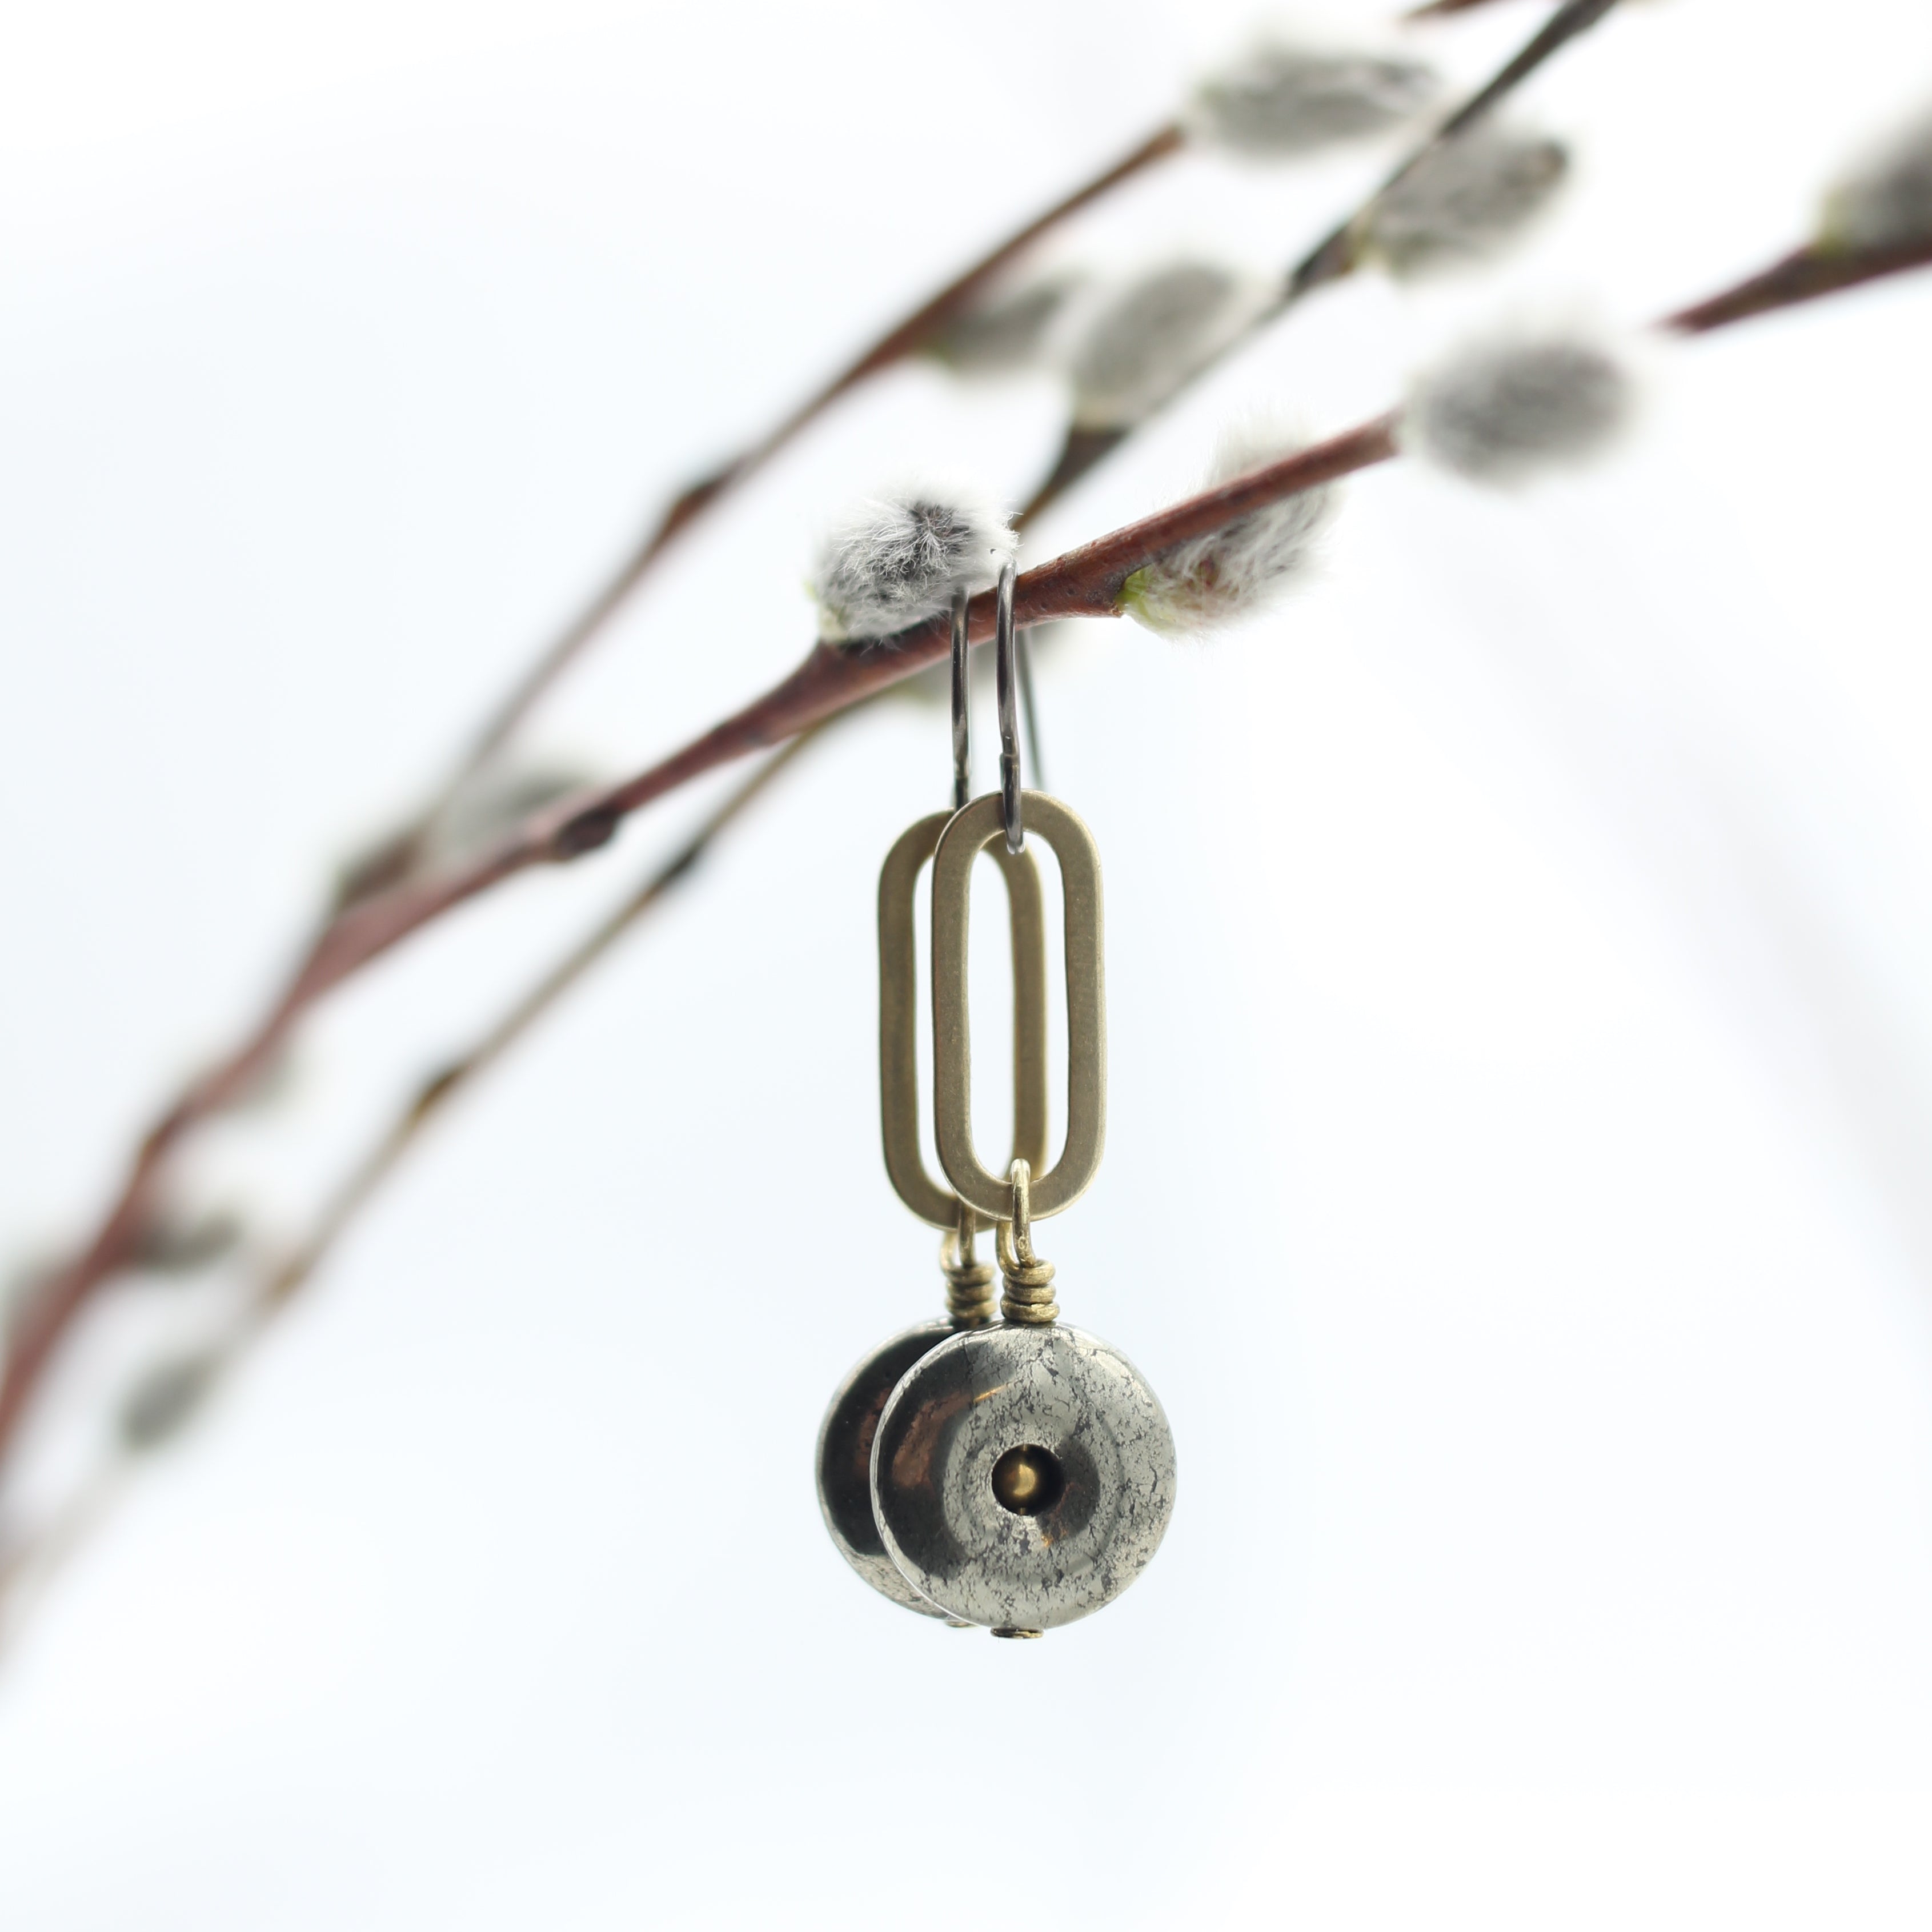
[[898, 1019], [979, 826]]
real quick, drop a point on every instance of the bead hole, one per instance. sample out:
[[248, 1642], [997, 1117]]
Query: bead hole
[[1028, 1480]]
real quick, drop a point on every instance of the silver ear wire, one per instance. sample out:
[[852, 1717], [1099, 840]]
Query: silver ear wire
[[962, 706], [1007, 683], [1023, 658]]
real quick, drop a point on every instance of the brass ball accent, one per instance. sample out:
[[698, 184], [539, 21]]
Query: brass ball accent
[[1028, 1479]]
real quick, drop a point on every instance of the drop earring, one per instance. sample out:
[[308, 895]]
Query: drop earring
[[1020, 1472], [844, 1461], [1023, 1473]]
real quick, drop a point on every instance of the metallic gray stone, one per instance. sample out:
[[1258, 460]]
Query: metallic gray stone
[[845, 1460], [1093, 1523]]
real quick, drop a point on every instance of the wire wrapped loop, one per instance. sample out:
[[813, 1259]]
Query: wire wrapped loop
[[969, 1301], [1028, 1299]]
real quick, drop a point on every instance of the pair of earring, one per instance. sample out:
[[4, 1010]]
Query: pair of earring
[[994, 1468]]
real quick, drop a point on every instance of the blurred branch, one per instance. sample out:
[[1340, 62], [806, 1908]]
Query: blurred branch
[[461, 1075], [1802, 276], [1437, 7], [1338, 253], [29, 1564]]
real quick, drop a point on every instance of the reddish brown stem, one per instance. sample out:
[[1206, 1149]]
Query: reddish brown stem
[[1435, 8], [1802, 276]]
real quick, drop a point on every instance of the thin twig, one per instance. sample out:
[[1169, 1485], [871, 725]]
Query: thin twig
[[1086, 582], [30, 1564], [1437, 7], [436, 1092], [27, 1567], [1802, 276], [1338, 253]]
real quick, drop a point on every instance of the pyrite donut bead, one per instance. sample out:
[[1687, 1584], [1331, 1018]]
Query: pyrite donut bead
[[845, 1460], [1022, 1477]]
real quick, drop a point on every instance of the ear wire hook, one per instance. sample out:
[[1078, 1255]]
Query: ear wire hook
[[1023, 658], [962, 706], [1006, 683]]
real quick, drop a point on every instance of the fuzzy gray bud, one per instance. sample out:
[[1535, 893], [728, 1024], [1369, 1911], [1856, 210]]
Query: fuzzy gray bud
[[490, 805], [1887, 203], [1158, 331], [181, 1244], [1465, 201], [1502, 409], [162, 1401], [1009, 332], [1238, 571], [1284, 100], [895, 560]]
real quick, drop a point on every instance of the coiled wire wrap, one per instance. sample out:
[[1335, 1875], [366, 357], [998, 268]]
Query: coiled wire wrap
[[1029, 1300], [969, 1280]]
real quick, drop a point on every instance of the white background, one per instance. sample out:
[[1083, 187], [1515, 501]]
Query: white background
[[1518, 963]]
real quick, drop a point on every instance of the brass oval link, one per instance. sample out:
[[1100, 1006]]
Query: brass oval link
[[898, 1019], [979, 826]]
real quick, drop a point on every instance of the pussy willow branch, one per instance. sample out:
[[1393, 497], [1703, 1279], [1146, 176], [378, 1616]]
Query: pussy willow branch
[[1086, 582], [904, 339], [1338, 253], [30, 1562]]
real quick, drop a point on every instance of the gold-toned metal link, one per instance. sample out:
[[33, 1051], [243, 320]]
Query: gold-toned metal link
[[969, 1301], [898, 1019], [1029, 1297], [979, 826]]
